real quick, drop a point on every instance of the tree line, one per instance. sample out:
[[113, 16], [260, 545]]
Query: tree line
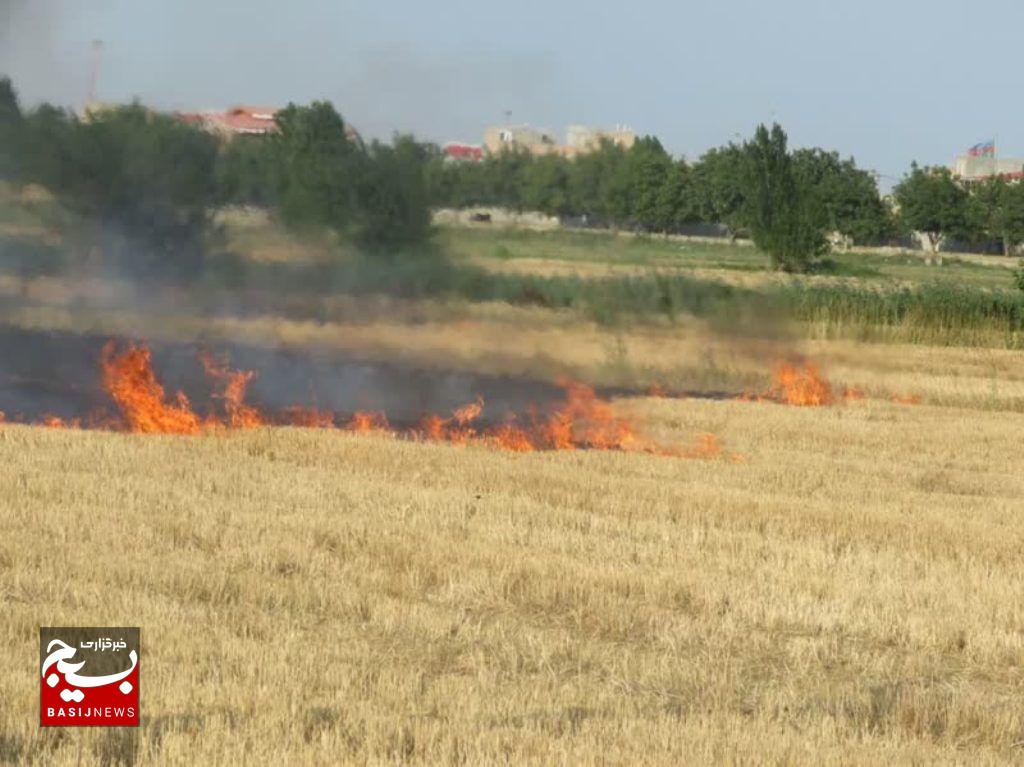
[[646, 189], [147, 184], [151, 179], [933, 202], [757, 188]]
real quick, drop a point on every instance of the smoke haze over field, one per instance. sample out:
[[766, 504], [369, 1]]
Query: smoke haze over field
[[58, 373], [887, 83]]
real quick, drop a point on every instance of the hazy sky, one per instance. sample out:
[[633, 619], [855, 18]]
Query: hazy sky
[[886, 81]]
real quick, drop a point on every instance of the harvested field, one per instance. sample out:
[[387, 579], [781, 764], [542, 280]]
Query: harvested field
[[848, 593], [835, 583]]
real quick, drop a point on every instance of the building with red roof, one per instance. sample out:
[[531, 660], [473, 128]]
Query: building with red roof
[[458, 151], [244, 121]]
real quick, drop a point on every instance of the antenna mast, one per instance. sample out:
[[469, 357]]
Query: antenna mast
[[94, 70]]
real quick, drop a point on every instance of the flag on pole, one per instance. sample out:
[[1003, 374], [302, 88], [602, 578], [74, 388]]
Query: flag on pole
[[984, 149]]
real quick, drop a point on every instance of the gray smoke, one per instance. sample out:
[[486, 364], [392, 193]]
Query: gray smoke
[[274, 57], [47, 372], [32, 55]]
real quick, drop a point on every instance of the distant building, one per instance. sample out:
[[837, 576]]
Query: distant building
[[244, 121], [519, 138], [970, 167], [458, 151], [94, 110], [237, 121], [580, 139]]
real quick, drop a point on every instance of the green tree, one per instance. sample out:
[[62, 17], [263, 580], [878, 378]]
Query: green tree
[[545, 185], [652, 186], [502, 178], [620, 187], [593, 183], [932, 202], [145, 181], [47, 147], [785, 220], [718, 188], [11, 128], [454, 183], [1002, 210], [392, 196], [441, 177], [316, 167], [849, 196], [10, 109], [246, 171], [674, 206]]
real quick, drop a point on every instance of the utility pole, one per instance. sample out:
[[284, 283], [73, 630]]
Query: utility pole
[[94, 70]]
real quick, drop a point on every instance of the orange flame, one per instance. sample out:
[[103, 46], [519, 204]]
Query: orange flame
[[51, 421], [803, 387], [128, 378], [235, 383], [583, 420], [854, 394], [508, 436], [308, 417], [586, 421], [364, 422], [556, 433], [590, 420], [457, 429]]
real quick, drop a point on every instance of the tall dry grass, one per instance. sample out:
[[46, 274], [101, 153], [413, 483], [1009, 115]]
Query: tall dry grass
[[848, 594]]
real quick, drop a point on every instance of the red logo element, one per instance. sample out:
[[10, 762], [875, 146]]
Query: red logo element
[[89, 677]]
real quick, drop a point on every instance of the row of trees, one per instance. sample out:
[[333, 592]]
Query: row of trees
[[786, 200], [147, 184], [150, 178], [315, 175], [645, 188], [143, 182], [933, 202]]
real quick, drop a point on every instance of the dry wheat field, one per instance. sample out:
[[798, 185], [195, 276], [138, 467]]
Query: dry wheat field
[[721, 556], [840, 584]]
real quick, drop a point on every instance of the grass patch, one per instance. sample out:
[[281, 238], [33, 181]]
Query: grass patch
[[606, 248], [929, 313], [880, 296]]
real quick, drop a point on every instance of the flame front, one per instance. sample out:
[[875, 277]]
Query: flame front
[[582, 420], [308, 417], [235, 384], [803, 387], [365, 422], [129, 379], [457, 429]]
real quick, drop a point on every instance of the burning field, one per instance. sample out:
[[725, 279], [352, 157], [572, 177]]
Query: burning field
[[569, 415], [580, 419], [442, 566], [552, 498]]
